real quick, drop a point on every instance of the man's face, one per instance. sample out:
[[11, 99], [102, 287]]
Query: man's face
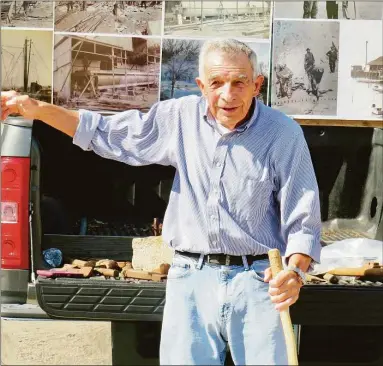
[[229, 87]]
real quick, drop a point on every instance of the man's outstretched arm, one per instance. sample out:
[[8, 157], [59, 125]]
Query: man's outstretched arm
[[132, 137], [59, 118]]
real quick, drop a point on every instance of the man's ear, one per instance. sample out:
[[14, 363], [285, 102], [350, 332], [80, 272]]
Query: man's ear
[[201, 85], [258, 84]]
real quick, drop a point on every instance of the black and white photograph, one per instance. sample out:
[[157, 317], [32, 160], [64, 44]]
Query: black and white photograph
[[179, 67], [305, 67], [361, 70], [26, 62], [117, 17], [348, 10], [27, 14], [201, 18], [106, 73]]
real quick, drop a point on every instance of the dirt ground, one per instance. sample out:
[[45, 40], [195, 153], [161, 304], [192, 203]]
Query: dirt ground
[[39, 15], [245, 29], [100, 19], [49, 342]]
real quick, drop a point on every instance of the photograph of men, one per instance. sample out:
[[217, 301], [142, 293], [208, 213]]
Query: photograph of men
[[310, 9], [348, 10], [304, 79]]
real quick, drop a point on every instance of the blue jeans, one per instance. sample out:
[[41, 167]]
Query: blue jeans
[[209, 307]]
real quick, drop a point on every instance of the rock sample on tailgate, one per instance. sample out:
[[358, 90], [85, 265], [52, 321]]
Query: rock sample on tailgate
[[150, 252]]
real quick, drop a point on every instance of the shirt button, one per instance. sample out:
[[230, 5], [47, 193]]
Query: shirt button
[[218, 164], [212, 217], [214, 242]]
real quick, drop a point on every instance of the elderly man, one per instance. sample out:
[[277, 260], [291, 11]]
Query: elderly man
[[244, 183]]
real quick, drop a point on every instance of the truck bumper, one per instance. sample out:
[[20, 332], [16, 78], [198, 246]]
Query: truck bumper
[[14, 286]]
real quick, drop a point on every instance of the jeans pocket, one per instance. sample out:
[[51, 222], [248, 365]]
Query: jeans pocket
[[258, 269], [180, 268], [260, 276]]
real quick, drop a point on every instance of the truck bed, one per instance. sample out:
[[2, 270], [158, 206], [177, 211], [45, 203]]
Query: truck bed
[[121, 300], [347, 162], [353, 303]]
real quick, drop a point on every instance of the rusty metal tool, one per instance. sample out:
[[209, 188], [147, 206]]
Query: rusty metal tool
[[292, 356]]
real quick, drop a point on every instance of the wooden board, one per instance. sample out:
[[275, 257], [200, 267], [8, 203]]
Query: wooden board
[[340, 122]]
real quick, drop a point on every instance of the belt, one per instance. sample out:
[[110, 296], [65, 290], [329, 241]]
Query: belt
[[224, 259]]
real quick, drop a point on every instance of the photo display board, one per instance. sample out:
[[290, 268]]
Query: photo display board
[[320, 59]]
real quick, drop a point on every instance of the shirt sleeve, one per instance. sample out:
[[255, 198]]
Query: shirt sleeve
[[298, 197], [132, 137]]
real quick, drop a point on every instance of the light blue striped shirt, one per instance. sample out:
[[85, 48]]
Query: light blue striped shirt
[[237, 193]]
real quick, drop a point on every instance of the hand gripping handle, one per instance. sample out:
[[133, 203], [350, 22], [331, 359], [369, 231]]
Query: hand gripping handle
[[276, 266]]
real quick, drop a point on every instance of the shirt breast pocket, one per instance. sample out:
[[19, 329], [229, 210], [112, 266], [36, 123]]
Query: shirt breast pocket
[[253, 198]]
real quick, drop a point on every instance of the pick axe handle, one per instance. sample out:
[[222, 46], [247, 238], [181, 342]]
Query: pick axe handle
[[276, 266]]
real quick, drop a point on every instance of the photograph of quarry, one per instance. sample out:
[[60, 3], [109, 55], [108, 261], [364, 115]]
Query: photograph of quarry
[[27, 14], [218, 18], [26, 62], [117, 17], [179, 67], [305, 67], [106, 73]]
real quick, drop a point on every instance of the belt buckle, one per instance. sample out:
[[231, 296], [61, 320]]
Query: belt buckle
[[227, 260], [209, 259]]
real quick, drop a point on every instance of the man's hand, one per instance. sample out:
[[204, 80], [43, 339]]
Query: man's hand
[[60, 118], [284, 289], [14, 103]]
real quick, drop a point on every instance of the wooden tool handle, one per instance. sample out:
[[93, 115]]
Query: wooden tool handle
[[292, 356], [275, 262], [357, 272]]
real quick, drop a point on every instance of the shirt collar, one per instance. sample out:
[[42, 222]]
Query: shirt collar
[[208, 117]]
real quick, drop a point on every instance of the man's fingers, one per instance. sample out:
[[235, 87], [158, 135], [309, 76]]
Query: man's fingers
[[15, 104], [285, 304], [281, 298], [281, 278], [268, 275], [290, 283], [284, 290], [8, 94], [17, 100], [12, 102], [9, 103], [284, 295], [5, 112]]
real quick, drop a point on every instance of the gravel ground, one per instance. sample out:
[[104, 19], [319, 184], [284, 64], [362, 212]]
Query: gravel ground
[[50, 342]]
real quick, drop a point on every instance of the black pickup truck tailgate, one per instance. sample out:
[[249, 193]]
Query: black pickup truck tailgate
[[95, 299], [120, 300]]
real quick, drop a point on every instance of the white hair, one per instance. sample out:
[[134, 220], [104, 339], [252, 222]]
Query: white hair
[[228, 46]]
